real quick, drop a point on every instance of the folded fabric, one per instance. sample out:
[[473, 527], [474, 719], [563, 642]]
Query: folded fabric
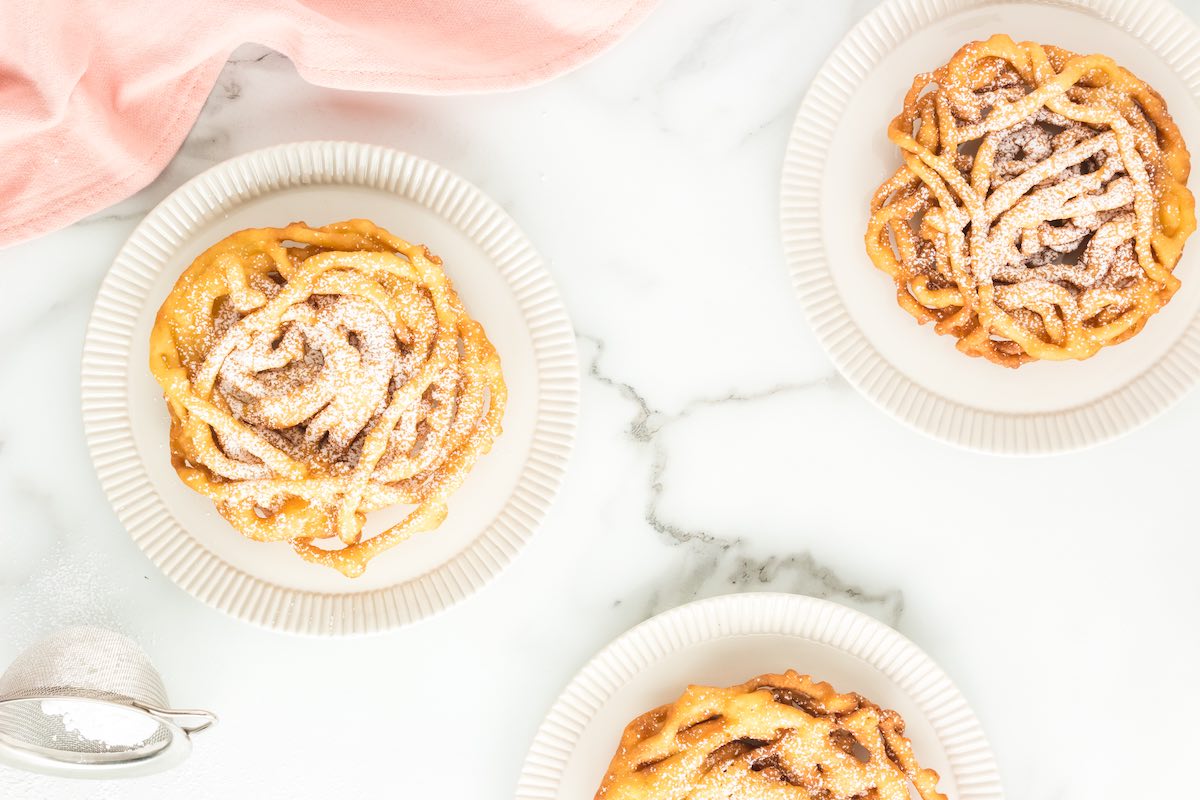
[[96, 96]]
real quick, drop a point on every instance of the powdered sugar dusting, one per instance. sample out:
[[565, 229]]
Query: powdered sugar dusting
[[326, 373], [1027, 221], [776, 736]]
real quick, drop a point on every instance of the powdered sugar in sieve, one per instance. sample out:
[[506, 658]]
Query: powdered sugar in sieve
[[87, 702]]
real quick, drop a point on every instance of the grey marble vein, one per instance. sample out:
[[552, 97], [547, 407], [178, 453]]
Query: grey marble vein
[[258, 59], [112, 216], [76, 296], [31, 507], [718, 563]]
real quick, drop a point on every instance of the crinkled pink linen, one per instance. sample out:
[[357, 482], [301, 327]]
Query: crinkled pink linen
[[97, 95]]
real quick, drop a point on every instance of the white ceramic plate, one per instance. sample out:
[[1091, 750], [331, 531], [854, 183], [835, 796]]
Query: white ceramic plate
[[839, 153], [502, 283], [728, 640]]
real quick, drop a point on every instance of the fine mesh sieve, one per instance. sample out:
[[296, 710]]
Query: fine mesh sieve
[[87, 702]]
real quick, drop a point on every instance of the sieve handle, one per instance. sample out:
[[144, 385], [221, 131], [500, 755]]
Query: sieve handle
[[189, 720]]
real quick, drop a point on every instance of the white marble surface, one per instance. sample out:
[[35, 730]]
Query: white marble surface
[[718, 452]]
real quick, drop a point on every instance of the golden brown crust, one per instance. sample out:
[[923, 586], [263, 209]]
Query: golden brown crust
[[316, 374], [1042, 204], [775, 737]]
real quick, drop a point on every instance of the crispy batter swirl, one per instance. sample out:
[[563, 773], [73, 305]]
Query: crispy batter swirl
[[1042, 204], [314, 375], [785, 737]]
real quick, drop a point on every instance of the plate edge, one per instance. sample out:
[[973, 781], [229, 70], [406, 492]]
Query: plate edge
[[824, 621], [1101, 420], [104, 376]]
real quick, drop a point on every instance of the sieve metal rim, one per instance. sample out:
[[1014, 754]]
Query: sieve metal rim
[[175, 752]]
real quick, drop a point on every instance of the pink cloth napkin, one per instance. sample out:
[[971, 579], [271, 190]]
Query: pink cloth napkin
[[97, 95]]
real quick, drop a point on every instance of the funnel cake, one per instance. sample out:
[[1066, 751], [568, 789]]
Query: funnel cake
[[314, 375], [1042, 204], [775, 737]]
